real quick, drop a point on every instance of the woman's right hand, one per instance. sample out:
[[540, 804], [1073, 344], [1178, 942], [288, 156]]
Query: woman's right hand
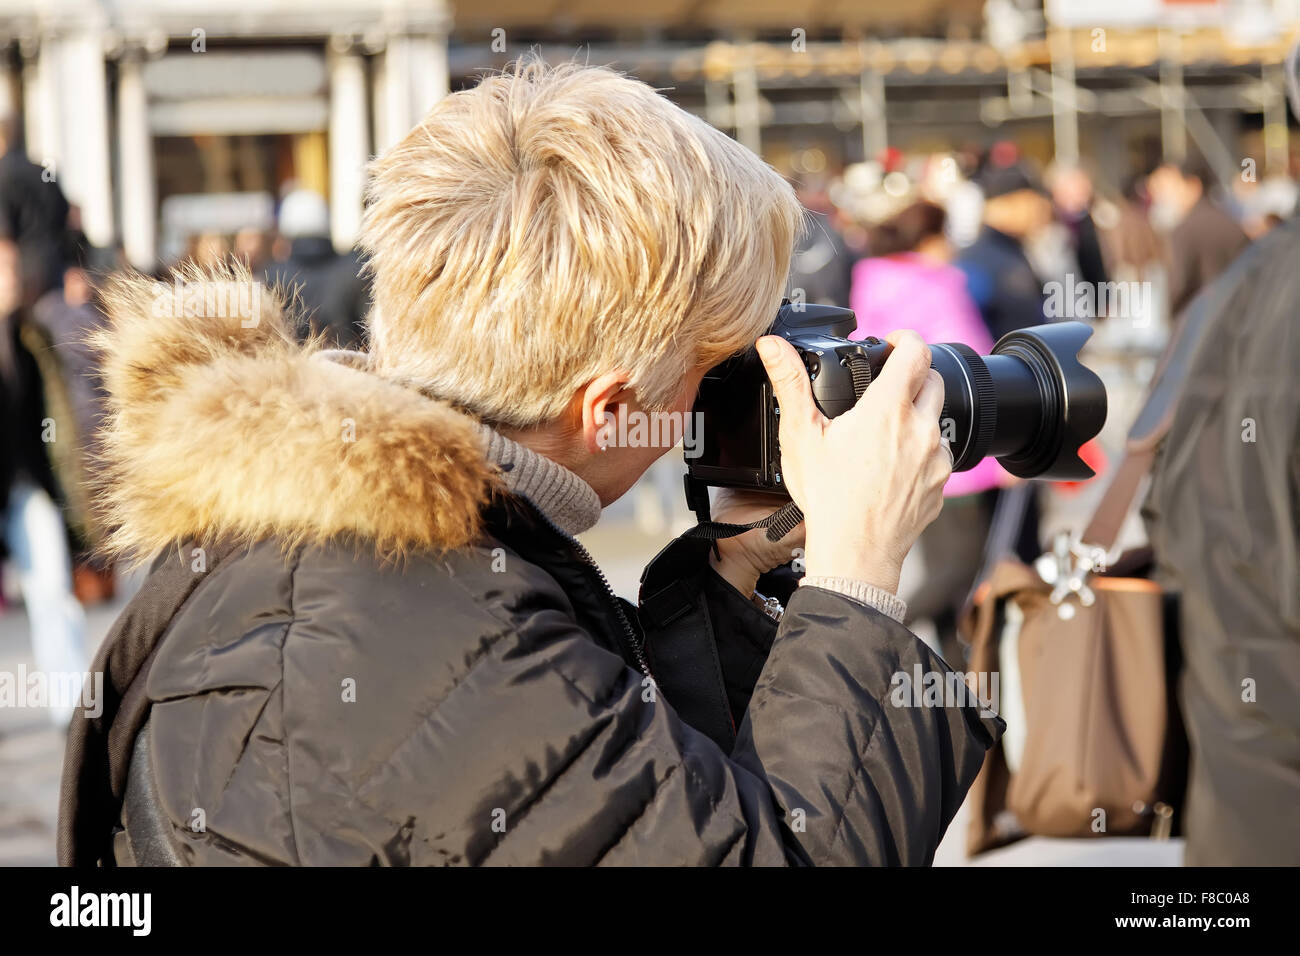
[[870, 480]]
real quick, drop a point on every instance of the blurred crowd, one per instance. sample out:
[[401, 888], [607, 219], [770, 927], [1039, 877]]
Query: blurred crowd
[[969, 245]]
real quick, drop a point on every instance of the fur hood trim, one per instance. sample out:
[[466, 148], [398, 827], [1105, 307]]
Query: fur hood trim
[[223, 427]]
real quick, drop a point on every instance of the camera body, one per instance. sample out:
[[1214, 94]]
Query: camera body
[[739, 412], [1030, 403]]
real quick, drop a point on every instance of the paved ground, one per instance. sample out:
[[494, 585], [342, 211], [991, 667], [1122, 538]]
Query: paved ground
[[31, 753]]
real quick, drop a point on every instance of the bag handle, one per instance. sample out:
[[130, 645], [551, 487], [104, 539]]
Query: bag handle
[[1114, 506], [1157, 415]]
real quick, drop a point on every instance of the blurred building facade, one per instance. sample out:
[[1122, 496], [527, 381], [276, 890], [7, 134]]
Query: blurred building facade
[[166, 117], [132, 103]]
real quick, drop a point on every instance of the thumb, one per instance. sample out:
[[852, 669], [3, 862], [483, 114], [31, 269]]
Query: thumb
[[789, 378]]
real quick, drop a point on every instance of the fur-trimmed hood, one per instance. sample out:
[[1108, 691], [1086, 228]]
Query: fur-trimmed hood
[[222, 426]]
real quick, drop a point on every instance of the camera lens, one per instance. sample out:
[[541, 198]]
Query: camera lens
[[1030, 403]]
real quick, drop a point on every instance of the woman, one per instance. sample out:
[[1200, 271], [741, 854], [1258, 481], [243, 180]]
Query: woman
[[383, 643]]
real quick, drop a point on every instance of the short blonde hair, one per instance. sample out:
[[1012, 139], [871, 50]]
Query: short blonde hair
[[555, 223]]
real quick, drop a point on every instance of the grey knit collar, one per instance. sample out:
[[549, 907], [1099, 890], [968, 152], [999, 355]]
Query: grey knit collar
[[556, 491]]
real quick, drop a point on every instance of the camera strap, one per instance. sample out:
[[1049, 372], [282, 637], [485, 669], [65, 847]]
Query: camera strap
[[778, 524]]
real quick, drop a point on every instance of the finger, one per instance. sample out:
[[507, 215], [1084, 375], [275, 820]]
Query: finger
[[929, 401], [942, 462], [789, 379], [906, 367], [944, 459]]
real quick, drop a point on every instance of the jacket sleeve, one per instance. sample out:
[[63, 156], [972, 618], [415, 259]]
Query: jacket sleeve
[[866, 762], [825, 770]]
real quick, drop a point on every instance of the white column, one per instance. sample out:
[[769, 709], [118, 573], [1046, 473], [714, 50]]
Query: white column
[[349, 146], [41, 105], [85, 172], [135, 155], [429, 79], [411, 77], [394, 93]]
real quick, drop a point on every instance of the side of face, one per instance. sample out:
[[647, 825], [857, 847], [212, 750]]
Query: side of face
[[1072, 190], [620, 438], [1160, 184], [1019, 213], [1168, 187]]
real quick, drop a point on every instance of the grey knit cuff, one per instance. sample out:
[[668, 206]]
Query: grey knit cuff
[[891, 605]]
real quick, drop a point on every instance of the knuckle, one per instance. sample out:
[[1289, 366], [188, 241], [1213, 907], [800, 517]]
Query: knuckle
[[932, 437]]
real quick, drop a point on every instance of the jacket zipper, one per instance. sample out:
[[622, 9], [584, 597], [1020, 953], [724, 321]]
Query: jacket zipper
[[632, 641]]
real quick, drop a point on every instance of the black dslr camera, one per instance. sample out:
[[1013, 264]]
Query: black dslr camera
[[1030, 403]]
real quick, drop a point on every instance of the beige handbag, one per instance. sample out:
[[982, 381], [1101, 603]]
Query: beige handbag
[[1101, 749]]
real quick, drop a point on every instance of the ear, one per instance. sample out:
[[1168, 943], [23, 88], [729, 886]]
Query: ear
[[600, 402]]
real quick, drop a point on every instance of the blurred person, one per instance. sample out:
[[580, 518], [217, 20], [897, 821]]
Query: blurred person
[[1072, 199], [1004, 286], [551, 248], [1203, 239], [252, 247], [964, 203], [69, 317], [1267, 205], [1130, 245], [33, 528], [910, 283], [1134, 252], [822, 261], [1224, 521], [329, 286], [209, 249], [33, 213]]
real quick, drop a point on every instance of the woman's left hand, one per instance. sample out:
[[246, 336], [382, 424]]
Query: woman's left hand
[[742, 559]]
